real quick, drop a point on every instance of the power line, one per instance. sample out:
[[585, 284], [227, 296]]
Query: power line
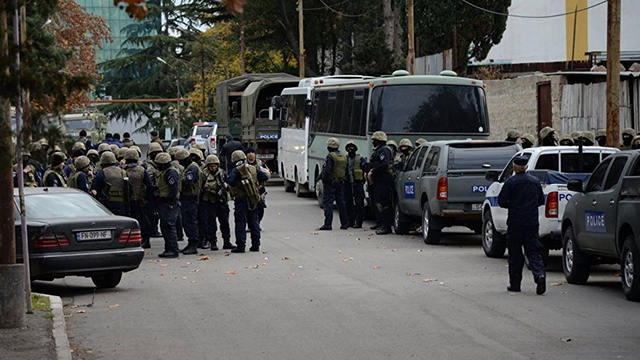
[[324, 7], [343, 14], [532, 16]]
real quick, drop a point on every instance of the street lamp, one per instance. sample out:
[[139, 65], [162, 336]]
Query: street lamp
[[179, 94]]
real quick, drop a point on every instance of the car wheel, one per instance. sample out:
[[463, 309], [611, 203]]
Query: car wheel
[[494, 243], [400, 223], [319, 193], [575, 263], [296, 186], [630, 270], [430, 235], [107, 281]]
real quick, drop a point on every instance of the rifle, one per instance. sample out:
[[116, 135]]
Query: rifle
[[222, 192]]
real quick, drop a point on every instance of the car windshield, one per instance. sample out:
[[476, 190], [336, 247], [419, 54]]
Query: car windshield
[[81, 124], [64, 205]]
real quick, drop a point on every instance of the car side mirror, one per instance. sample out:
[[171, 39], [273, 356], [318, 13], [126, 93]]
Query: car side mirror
[[575, 185], [492, 175]]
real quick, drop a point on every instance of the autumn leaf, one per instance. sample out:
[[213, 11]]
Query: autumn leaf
[[204, 258], [376, 266], [114, 306], [230, 272], [81, 311]]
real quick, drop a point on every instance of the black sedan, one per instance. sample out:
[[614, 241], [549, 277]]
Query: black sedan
[[71, 234]]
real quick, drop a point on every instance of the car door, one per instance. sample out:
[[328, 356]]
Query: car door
[[607, 205], [417, 178], [408, 180], [588, 222]]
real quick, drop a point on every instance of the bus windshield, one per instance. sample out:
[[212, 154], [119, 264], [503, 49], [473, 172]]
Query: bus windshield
[[428, 108], [80, 124]]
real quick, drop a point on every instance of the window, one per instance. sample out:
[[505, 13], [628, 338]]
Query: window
[[411, 164], [340, 112], [474, 156], [615, 173], [421, 154], [431, 165], [636, 168], [569, 162], [547, 162], [595, 181], [293, 111], [62, 206]]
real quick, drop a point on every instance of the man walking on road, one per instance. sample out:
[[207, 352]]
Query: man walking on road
[[522, 194]]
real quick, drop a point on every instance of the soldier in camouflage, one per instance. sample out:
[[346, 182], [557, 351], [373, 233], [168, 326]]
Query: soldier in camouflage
[[334, 176], [80, 179], [142, 190], [215, 200]]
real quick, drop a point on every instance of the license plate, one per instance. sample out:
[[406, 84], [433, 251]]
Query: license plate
[[93, 235], [476, 207]]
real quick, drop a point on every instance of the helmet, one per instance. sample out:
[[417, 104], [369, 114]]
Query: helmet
[[420, 142], [26, 152], [406, 142], [589, 136], [575, 135], [43, 142], [601, 132], [392, 143], [35, 147], [198, 152], [81, 162], [629, 131], [155, 147], [163, 158], [136, 148], [201, 146], [103, 147], [108, 158], [212, 159], [93, 152], [122, 152], [55, 148], [56, 158], [379, 135], [172, 151], [565, 138], [238, 155], [545, 132], [529, 137], [333, 143], [513, 134], [78, 146], [352, 144], [113, 148], [182, 154], [131, 154]]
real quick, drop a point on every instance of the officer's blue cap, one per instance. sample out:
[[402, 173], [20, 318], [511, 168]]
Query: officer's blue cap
[[520, 160]]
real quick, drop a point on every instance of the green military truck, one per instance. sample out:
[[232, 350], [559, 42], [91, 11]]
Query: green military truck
[[92, 121], [601, 222]]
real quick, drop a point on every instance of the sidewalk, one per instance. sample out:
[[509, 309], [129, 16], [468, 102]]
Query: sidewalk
[[44, 336]]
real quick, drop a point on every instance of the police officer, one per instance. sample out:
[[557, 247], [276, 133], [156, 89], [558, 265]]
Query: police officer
[[548, 137], [228, 149], [109, 185], [380, 174], [142, 190], [334, 176], [420, 142], [179, 168], [80, 177], [126, 140], [55, 177], [29, 171], [197, 157], [406, 147], [522, 195], [168, 204], [588, 139], [566, 140], [190, 182], [354, 186], [601, 137], [627, 137], [151, 209], [512, 135], [78, 149], [94, 157], [215, 200], [260, 166], [243, 181], [395, 155], [527, 141]]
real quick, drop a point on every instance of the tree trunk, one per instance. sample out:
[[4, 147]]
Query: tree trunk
[[291, 38], [392, 28]]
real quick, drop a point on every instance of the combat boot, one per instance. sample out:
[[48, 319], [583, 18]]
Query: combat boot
[[228, 245], [146, 244], [238, 250], [214, 245], [191, 249]]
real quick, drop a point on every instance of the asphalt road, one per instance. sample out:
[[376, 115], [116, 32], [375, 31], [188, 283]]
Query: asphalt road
[[345, 295]]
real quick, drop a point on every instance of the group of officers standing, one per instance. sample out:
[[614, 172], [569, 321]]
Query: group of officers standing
[[180, 189], [549, 137]]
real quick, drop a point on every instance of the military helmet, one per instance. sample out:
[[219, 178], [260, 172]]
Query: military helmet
[[566, 137], [136, 148], [108, 158], [575, 135], [629, 131], [113, 148], [601, 132], [420, 142], [513, 134], [351, 143], [589, 136], [93, 152], [43, 142], [163, 158], [529, 137], [201, 146], [379, 135], [238, 155], [212, 159], [333, 143], [546, 131], [406, 142], [392, 143], [56, 159], [122, 152], [131, 154], [26, 152], [78, 146], [81, 162], [55, 148], [197, 152], [35, 147], [103, 147], [155, 147], [182, 154], [172, 151]]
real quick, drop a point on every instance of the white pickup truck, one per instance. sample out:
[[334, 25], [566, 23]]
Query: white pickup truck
[[554, 166]]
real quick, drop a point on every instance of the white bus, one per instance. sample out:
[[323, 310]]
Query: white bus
[[431, 107]]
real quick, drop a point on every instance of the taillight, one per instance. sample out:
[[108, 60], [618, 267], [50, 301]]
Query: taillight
[[192, 140], [443, 189], [130, 236], [551, 208], [213, 142], [50, 240]]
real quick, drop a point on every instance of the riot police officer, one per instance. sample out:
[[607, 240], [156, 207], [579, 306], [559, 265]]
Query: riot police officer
[[548, 137], [29, 171], [380, 174], [215, 200], [151, 208], [513, 135], [627, 138], [190, 182], [109, 185], [522, 195], [527, 141], [168, 204], [601, 137], [354, 186], [142, 189], [334, 176], [55, 177], [243, 181], [80, 178]]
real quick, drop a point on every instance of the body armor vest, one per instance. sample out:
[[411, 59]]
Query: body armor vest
[[339, 170], [136, 178], [194, 188], [162, 185], [114, 176], [247, 186], [214, 191], [356, 170], [59, 174]]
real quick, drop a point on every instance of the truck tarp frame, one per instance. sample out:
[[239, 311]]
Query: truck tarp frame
[[252, 93]]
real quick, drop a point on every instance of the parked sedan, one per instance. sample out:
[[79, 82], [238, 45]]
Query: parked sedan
[[71, 234]]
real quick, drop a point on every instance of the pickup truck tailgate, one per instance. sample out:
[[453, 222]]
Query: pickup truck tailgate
[[465, 189]]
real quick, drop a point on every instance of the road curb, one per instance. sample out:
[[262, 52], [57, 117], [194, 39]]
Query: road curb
[[63, 350]]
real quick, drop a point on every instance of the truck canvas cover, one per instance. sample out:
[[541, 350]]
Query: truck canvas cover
[[251, 95]]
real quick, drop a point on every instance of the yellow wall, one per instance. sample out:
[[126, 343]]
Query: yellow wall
[[582, 28]]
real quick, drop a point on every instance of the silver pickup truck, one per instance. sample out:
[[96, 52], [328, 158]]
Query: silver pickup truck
[[601, 223], [443, 184]]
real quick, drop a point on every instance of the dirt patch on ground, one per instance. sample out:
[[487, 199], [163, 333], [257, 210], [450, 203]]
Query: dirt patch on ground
[[34, 341]]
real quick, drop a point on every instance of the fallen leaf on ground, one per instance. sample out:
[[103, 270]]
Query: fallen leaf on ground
[[394, 250], [74, 306], [350, 234], [227, 254], [315, 233], [194, 281], [204, 258], [441, 282], [348, 259], [81, 311], [164, 265], [230, 272], [114, 306], [376, 266], [286, 258], [161, 274], [256, 266], [184, 278], [408, 274], [188, 262], [559, 283]]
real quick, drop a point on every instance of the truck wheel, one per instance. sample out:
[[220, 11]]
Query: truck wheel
[[630, 270], [319, 192], [400, 223], [494, 243], [107, 281], [575, 263], [430, 235]]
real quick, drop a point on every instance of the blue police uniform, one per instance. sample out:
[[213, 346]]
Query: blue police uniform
[[189, 196], [354, 192], [169, 208], [380, 166], [332, 190], [244, 215], [83, 181], [522, 195]]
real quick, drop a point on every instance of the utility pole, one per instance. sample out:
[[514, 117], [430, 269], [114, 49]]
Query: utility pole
[[613, 73], [243, 48], [204, 104], [301, 31], [411, 57]]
